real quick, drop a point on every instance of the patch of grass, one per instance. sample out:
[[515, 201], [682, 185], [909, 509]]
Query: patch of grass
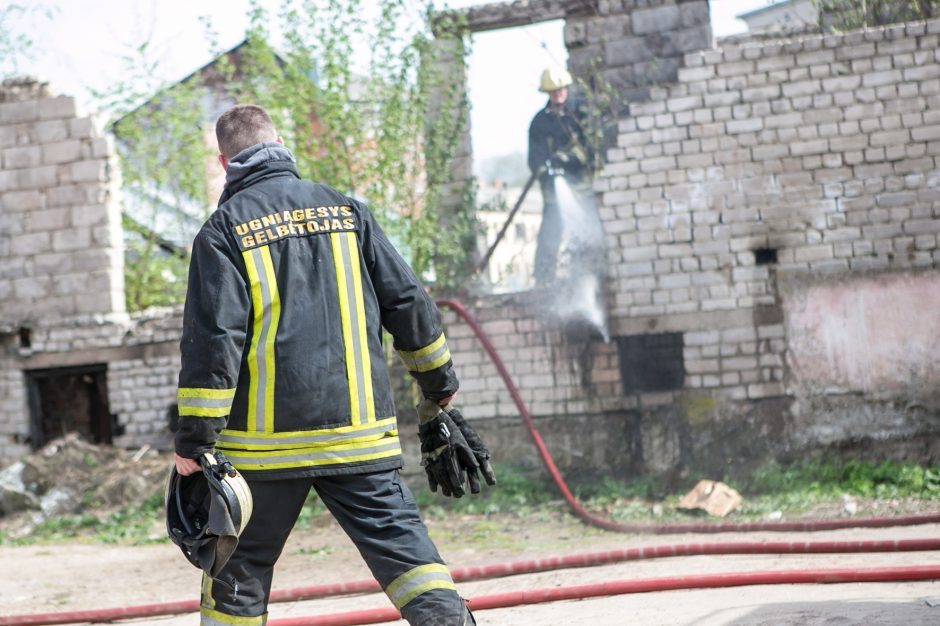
[[887, 479], [132, 525], [798, 487], [313, 509], [316, 552]]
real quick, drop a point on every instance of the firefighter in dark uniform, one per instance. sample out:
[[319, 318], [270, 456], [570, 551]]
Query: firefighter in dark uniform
[[557, 146], [283, 372]]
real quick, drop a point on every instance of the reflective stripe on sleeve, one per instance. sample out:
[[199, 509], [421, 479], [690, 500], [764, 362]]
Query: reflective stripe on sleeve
[[427, 358], [416, 581], [201, 402], [353, 320], [211, 617], [266, 304]]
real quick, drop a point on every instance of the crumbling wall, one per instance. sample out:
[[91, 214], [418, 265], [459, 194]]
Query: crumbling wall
[[60, 238], [757, 212], [62, 271]]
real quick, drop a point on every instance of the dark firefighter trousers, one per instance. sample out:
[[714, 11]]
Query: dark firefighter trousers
[[378, 513]]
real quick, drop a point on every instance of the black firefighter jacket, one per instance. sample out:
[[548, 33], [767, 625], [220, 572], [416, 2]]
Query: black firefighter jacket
[[290, 284], [560, 131]]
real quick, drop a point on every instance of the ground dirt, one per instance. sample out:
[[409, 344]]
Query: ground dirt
[[69, 577], [79, 575]]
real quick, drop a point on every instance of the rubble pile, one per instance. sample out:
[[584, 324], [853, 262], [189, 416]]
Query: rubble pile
[[71, 476]]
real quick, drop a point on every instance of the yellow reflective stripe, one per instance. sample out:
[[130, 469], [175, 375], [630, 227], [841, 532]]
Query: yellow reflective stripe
[[210, 617], [427, 358], [419, 580], [308, 439], [365, 378], [209, 394], [354, 452], [346, 325], [352, 316], [275, 315], [200, 402], [428, 349], [208, 601], [258, 309], [306, 433], [266, 304], [436, 363], [204, 411]]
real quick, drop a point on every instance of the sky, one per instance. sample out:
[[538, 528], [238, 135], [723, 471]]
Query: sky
[[78, 45]]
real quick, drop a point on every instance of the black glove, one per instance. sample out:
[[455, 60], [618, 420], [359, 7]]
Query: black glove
[[445, 454], [480, 451], [559, 160]]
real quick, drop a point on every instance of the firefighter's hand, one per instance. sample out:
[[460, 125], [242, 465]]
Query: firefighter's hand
[[480, 451], [445, 454], [185, 466], [559, 159]]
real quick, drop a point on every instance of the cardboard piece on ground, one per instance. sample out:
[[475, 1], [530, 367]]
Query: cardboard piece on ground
[[714, 497]]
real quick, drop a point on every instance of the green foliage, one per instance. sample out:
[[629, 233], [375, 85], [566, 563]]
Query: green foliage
[[887, 479], [317, 552], [15, 44], [350, 92], [163, 160], [840, 15], [604, 105], [131, 525], [311, 512]]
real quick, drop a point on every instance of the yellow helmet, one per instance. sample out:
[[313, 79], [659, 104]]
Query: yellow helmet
[[206, 512], [554, 78]]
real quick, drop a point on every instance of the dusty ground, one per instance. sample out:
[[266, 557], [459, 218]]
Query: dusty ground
[[77, 577]]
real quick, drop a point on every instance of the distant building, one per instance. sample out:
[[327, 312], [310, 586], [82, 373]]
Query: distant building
[[784, 16]]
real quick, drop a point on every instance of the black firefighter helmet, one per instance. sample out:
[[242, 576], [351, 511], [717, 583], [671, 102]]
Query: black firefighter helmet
[[206, 512]]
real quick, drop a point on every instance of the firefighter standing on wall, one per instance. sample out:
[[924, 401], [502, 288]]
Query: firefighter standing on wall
[[282, 371], [557, 146]]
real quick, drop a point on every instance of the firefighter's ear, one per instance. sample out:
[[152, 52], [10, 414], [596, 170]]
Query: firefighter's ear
[[223, 161]]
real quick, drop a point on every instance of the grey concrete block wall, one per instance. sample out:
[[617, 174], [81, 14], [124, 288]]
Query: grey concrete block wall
[[767, 174], [60, 238], [634, 44]]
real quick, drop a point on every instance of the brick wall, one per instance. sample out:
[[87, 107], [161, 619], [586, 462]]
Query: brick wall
[[60, 236], [743, 205]]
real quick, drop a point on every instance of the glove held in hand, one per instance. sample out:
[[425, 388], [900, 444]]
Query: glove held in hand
[[445, 454], [480, 451]]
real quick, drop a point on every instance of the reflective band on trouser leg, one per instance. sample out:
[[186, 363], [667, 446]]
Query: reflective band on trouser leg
[[353, 318], [202, 402], [208, 617], [427, 358], [416, 581], [266, 304]]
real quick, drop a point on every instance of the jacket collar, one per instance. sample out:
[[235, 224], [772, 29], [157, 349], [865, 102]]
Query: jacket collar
[[257, 163]]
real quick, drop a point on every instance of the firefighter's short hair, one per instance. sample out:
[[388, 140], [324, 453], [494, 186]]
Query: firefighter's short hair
[[243, 126]]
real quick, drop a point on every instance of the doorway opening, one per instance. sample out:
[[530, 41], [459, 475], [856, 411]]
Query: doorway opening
[[69, 399], [504, 68]]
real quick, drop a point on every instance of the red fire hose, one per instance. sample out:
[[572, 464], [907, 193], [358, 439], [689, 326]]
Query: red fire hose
[[497, 570], [617, 587], [582, 560], [692, 527]]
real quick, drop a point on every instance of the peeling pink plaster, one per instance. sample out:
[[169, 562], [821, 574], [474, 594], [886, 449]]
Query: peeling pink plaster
[[866, 335]]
